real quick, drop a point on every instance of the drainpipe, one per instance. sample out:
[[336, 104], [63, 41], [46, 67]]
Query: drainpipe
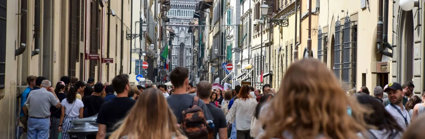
[[37, 29], [385, 35], [309, 30], [296, 22], [122, 32], [131, 36], [85, 39], [380, 27], [270, 50], [109, 36]]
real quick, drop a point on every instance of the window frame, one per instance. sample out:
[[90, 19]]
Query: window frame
[[3, 30]]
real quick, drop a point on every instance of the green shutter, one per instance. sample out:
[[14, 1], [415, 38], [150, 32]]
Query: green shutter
[[229, 52]]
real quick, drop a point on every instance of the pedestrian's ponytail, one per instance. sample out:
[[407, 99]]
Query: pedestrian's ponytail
[[72, 95]]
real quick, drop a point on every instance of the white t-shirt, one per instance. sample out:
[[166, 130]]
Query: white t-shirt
[[166, 94], [72, 110]]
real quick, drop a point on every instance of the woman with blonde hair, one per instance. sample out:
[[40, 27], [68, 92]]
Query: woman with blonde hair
[[150, 118], [311, 104]]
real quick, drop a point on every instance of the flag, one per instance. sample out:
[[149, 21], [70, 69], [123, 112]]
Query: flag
[[164, 53]]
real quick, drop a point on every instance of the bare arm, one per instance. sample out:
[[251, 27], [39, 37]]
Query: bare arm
[[101, 133], [81, 113], [25, 110], [415, 112], [61, 119], [222, 133], [58, 105]]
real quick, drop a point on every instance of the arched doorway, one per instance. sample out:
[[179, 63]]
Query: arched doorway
[[406, 43]]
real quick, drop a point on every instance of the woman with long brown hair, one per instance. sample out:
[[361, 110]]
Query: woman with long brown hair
[[150, 118], [311, 104], [243, 109]]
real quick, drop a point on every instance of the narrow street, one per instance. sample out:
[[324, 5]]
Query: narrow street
[[253, 53]]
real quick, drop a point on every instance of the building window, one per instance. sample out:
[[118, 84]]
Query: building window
[[345, 51], [3, 6], [337, 50], [319, 45]]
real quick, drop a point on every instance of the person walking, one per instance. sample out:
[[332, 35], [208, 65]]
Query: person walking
[[72, 108], [242, 111], [163, 89], [80, 86], [109, 90], [188, 108], [408, 88], [214, 99], [181, 99], [226, 100], [93, 102], [311, 104], [150, 118], [411, 103], [220, 97], [38, 108], [204, 92], [89, 87], [386, 126], [378, 92], [419, 109], [56, 112], [364, 90], [255, 127], [31, 81], [116, 109], [396, 107], [266, 89]]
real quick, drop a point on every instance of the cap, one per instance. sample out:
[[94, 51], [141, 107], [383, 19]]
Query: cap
[[393, 86]]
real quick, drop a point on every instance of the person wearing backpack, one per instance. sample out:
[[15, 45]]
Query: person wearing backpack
[[204, 93], [191, 114]]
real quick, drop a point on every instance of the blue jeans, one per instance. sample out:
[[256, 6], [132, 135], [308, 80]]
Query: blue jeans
[[233, 134], [38, 128]]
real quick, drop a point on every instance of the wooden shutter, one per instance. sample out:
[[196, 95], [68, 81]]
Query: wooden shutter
[[337, 51], [3, 13]]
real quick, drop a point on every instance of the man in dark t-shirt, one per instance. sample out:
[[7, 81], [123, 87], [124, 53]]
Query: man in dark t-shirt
[[93, 102], [180, 100], [204, 93], [116, 109]]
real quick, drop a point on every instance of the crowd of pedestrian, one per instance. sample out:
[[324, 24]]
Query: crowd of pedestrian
[[310, 104]]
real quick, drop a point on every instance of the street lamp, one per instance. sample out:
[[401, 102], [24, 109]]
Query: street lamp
[[264, 9], [408, 5]]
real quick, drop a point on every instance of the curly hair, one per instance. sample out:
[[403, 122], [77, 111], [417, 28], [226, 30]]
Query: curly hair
[[310, 103]]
